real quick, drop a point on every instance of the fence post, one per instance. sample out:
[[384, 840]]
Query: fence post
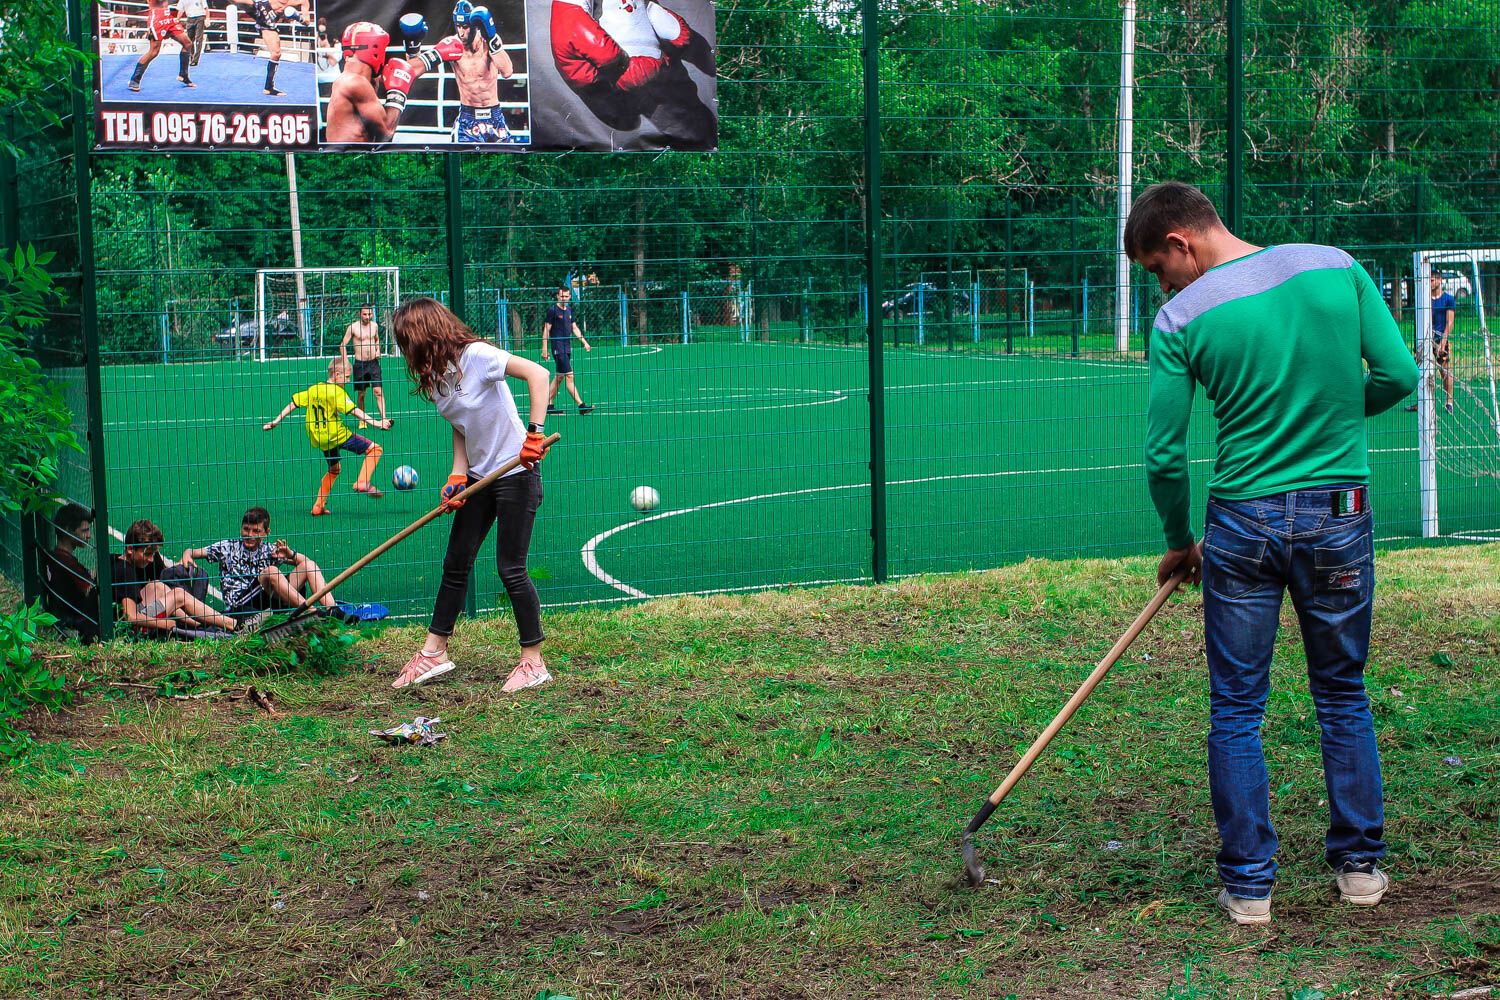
[[453, 188], [687, 325], [874, 336], [502, 318], [921, 310], [624, 319], [88, 315], [1235, 124], [974, 305], [1073, 290]]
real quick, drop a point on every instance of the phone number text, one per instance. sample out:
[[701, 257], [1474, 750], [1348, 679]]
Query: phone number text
[[205, 128]]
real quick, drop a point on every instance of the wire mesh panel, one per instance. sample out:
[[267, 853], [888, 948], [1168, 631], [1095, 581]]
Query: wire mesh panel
[[725, 299]]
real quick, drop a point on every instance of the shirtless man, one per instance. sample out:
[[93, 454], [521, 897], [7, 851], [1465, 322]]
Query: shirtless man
[[268, 15], [355, 112], [365, 334], [161, 24], [479, 62]]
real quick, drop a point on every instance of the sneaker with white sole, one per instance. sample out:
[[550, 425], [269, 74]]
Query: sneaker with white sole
[[421, 668], [1362, 884], [526, 675], [1245, 912]]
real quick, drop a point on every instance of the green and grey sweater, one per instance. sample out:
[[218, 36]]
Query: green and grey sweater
[[1275, 339]]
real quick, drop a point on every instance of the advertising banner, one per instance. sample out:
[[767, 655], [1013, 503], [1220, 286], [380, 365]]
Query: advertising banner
[[308, 75]]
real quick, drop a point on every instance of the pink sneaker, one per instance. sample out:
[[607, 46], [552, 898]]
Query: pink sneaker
[[526, 675], [421, 668]]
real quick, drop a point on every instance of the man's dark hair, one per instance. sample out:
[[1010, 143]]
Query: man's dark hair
[[257, 515], [142, 533], [368, 305], [70, 517], [1160, 209]]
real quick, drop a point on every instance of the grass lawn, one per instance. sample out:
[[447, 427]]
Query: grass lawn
[[756, 796]]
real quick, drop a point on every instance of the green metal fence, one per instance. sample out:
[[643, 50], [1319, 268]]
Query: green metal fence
[[945, 179]]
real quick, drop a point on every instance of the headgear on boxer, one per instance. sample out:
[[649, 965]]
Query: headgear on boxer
[[462, 11], [366, 41]]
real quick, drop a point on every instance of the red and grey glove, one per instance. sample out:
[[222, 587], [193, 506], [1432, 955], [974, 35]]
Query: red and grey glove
[[532, 451], [584, 53], [448, 50], [453, 491], [398, 78]]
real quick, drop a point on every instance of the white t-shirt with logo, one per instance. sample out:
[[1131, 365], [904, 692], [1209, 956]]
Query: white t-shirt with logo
[[476, 400]]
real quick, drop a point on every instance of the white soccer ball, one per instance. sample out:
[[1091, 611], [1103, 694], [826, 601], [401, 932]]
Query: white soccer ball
[[404, 478], [644, 498]]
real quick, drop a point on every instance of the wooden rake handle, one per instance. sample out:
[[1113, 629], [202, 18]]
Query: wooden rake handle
[[410, 529], [1084, 690]]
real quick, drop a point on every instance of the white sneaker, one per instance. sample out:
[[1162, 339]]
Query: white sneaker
[[1362, 885], [1245, 912]]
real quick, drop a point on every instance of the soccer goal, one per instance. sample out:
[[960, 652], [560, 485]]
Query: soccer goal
[[301, 312], [1458, 435]]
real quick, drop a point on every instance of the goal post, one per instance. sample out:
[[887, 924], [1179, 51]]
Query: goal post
[[1458, 400], [303, 312]]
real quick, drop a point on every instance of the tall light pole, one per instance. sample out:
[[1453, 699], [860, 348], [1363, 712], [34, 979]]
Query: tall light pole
[[1127, 169]]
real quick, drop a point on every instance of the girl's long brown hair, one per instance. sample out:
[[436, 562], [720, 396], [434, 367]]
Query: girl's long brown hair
[[431, 338]]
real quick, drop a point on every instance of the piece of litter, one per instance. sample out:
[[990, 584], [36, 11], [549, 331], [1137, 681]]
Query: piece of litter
[[422, 895], [417, 732], [1396, 693], [1147, 656], [280, 904], [1112, 845], [1454, 761]]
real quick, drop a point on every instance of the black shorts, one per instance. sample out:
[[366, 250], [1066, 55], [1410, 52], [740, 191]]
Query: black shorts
[[366, 374], [355, 443], [257, 600], [265, 17], [563, 360]]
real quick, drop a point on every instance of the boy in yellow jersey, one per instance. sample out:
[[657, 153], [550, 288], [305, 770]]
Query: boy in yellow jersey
[[326, 404]]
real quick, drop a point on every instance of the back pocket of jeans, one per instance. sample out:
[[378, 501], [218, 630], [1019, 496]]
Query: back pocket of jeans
[[1232, 561], [1344, 575]]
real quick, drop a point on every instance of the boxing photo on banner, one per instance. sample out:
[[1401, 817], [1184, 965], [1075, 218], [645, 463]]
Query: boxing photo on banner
[[406, 74], [414, 73], [205, 74], [626, 74]]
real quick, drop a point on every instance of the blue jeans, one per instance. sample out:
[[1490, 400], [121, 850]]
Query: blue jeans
[[1253, 550]]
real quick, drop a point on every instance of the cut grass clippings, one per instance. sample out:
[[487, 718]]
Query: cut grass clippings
[[757, 796]]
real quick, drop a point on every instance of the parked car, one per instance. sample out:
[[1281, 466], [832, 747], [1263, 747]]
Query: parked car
[[242, 336], [904, 302]]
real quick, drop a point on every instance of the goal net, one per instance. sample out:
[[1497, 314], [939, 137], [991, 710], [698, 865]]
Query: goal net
[[1458, 402], [301, 312]]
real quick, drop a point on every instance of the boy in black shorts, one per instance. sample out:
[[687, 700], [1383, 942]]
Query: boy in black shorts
[[558, 330]]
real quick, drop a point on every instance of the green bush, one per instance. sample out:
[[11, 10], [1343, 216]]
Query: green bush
[[35, 424], [26, 679]]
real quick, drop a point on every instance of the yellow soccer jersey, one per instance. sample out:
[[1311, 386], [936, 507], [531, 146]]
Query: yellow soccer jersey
[[326, 405]]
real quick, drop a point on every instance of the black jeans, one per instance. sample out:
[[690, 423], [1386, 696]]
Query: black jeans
[[513, 501]]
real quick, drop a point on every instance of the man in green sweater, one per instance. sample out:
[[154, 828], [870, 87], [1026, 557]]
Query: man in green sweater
[[1276, 336]]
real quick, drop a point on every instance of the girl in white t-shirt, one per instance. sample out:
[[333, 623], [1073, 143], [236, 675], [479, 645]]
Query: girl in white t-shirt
[[464, 377]]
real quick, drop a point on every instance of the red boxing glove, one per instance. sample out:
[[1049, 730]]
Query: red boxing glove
[[584, 52], [453, 492], [448, 50], [641, 71], [398, 78], [532, 451], [669, 26]]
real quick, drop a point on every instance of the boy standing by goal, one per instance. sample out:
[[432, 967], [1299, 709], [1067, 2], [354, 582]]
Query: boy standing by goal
[[326, 404]]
